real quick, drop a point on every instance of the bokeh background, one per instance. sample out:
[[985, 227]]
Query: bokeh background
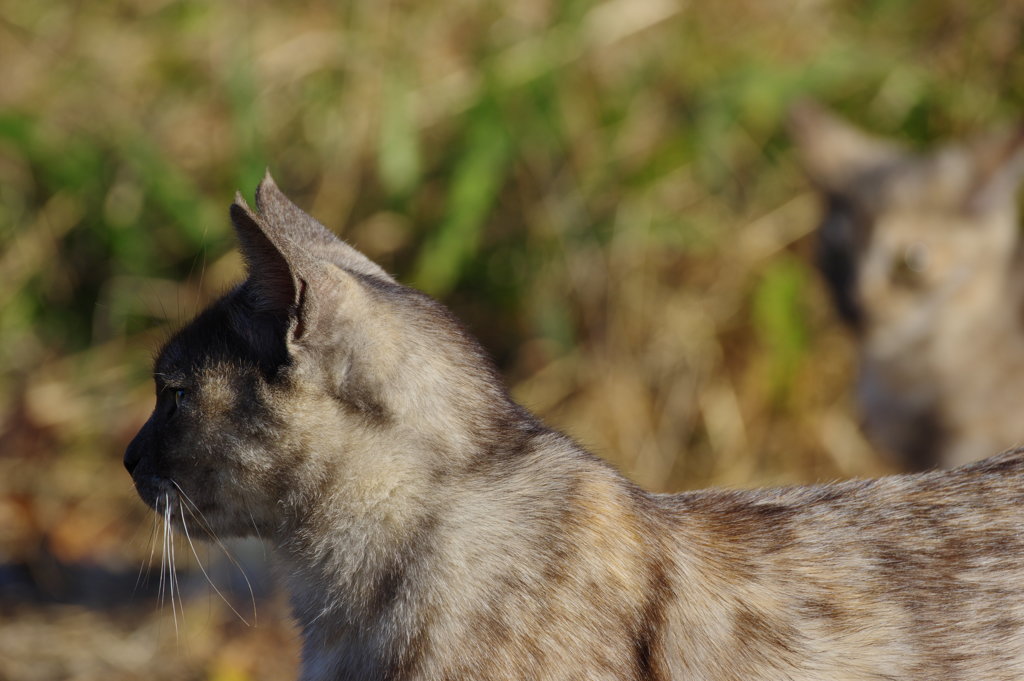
[[603, 191]]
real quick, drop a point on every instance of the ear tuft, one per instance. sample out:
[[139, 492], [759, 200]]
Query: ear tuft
[[269, 197]]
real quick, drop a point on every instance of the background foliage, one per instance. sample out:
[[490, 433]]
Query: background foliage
[[601, 190]]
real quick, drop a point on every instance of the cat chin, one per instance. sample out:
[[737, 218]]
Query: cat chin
[[156, 491], [163, 496], [172, 503]]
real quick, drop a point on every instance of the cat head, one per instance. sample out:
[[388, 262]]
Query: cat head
[[903, 230], [917, 250], [318, 376]]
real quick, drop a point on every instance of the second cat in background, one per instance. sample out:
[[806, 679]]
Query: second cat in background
[[922, 255]]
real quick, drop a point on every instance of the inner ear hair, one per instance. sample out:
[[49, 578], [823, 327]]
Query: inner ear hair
[[271, 279]]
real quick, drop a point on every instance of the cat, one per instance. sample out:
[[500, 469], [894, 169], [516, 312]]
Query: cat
[[922, 256], [427, 527]]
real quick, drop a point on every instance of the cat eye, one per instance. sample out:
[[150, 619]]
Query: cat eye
[[910, 267], [915, 257], [179, 398]]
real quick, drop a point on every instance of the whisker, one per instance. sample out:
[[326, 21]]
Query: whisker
[[172, 576], [197, 513], [205, 523], [184, 525], [147, 565], [163, 563], [255, 527], [177, 582]]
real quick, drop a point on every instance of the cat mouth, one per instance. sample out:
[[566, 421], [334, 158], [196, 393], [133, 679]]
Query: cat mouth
[[167, 498], [163, 495], [156, 491]]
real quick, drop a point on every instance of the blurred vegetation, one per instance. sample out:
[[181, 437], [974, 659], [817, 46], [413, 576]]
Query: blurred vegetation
[[601, 190]]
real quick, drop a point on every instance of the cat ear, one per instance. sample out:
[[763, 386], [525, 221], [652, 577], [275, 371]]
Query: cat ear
[[998, 166], [272, 279], [833, 152], [278, 269], [299, 273], [279, 212]]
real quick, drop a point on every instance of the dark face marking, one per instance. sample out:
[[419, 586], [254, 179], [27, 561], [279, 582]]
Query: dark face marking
[[842, 234]]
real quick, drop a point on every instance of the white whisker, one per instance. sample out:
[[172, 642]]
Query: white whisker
[[172, 575], [147, 565], [196, 513], [184, 525], [256, 528], [163, 564]]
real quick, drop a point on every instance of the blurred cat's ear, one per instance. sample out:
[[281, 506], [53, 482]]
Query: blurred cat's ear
[[833, 152], [280, 214], [998, 166]]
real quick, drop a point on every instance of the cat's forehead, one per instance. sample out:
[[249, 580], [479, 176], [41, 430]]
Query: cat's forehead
[[206, 340]]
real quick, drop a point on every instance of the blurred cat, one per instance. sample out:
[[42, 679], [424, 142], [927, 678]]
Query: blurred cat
[[922, 254], [430, 528]]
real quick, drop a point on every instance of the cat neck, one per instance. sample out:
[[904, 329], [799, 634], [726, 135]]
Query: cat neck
[[372, 553]]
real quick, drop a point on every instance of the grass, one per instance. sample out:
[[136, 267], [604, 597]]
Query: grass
[[601, 190]]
